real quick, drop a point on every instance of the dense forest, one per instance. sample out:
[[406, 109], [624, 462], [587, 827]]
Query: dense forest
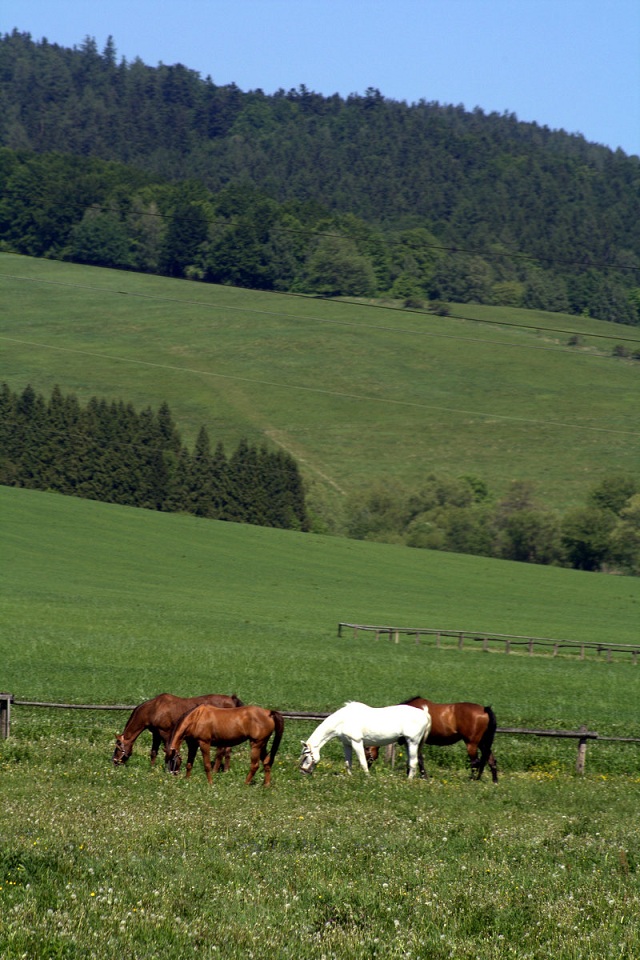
[[110, 452], [158, 169]]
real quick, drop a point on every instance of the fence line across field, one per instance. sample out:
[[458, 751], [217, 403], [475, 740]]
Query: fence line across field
[[583, 735], [484, 637]]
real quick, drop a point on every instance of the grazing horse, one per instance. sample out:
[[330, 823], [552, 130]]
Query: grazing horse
[[206, 725], [359, 726], [451, 722], [159, 715]]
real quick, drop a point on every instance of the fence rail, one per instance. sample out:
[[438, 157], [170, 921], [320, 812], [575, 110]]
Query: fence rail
[[486, 638], [582, 735]]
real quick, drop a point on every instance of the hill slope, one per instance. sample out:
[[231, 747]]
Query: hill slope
[[110, 602], [359, 395]]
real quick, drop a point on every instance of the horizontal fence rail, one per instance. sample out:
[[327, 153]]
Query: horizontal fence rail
[[582, 735], [486, 638]]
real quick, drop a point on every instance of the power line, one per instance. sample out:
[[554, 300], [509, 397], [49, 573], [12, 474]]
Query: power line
[[584, 262], [347, 303]]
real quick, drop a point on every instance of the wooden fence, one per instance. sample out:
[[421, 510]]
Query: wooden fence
[[583, 735], [508, 641]]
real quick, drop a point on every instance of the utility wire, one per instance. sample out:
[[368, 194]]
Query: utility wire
[[368, 326], [584, 262]]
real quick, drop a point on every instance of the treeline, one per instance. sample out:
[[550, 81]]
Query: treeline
[[460, 516], [112, 453], [155, 168]]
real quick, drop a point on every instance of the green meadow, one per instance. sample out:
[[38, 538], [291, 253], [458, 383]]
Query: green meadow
[[109, 605], [359, 393]]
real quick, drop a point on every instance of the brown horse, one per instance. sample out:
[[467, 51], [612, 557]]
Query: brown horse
[[206, 725], [159, 715], [451, 722]]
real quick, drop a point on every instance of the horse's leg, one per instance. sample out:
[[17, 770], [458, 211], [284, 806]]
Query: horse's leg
[[227, 759], [156, 740], [476, 765], [265, 758], [192, 749], [423, 772], [218, 760], [412, 758], [348, 754], [205, 750], [358, 746], [255, 760], [404, 742], [486, 756]]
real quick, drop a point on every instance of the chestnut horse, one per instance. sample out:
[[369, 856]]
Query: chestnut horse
[[451, 722], [206, 725], [159, 715]]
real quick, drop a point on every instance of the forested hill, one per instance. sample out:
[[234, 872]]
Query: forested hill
[[432, 201]]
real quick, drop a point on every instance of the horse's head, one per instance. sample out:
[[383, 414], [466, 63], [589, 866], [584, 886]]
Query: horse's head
[[122, 751], [308, 760], [172, 760]]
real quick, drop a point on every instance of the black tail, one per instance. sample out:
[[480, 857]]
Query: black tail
[[486, 741], [237, 701], [278, 720]]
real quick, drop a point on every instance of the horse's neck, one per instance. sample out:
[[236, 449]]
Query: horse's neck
[[134, 728], [322, 734]]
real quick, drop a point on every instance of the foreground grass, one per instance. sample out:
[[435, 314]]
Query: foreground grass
[[98, 862]]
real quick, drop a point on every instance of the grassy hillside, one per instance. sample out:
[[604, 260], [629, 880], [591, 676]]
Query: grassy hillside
[[113, 605], [356, 393], [110, 604]]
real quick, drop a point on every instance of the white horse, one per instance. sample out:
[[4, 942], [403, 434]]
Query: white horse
[[359, 726]]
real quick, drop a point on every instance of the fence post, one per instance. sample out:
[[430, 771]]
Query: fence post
[[582, 751], [5, 715]]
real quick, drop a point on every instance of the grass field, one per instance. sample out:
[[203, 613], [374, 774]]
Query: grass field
[[111, 605], [108, 605], [356, 392]]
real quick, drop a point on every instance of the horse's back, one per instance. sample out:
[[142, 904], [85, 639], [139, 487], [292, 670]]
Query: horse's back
[[227, 725], [451, 722], [380, 725], [165, 709]]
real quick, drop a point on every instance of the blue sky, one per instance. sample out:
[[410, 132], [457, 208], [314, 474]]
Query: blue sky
[[566, 64]]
